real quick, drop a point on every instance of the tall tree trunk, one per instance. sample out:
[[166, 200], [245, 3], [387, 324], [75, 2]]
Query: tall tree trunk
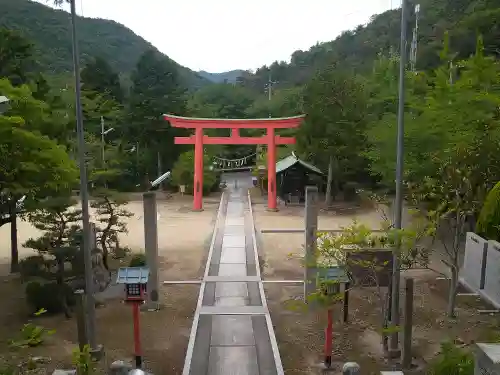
[[329, 182], [14, 251], [452, 292], [61, 286]]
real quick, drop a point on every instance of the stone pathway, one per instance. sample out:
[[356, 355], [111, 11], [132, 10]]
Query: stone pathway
[[232, 333]]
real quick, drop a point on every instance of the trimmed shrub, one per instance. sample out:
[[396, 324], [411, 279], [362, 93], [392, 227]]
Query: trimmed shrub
[[488, 223], [452, 361], [48, 296], [138, 260], [33, 266]]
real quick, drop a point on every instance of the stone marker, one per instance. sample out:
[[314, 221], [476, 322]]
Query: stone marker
[[492, 281], [472, 274], [119, 368], [351, 368], [151, 246], [64, 372], [487, 359]]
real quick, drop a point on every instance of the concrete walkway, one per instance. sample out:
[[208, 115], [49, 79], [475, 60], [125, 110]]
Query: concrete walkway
[[232, 333]]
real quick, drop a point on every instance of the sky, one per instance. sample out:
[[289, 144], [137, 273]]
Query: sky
[[222, 35]]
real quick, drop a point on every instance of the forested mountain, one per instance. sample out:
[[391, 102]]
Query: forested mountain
[[225, 77], [357, 49], [49, 30]]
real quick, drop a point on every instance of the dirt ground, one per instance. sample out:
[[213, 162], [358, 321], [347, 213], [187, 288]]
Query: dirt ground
[[183, 240], [300, 333]]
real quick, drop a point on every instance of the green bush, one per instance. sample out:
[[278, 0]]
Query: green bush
[[138, 260], [488, 224], [349, 190], [452, 361], [32, 266], [183, 172], [48, 296]]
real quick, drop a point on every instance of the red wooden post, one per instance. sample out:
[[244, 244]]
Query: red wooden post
[[328, 339], [137, 335], [271, 170], [198, 170]]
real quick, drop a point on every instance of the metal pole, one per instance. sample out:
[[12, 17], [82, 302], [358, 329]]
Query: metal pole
[[394, 343], [84, 194], [102, 140], [270, 88]]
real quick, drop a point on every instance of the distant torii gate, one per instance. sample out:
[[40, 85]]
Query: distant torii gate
[[199, 139]]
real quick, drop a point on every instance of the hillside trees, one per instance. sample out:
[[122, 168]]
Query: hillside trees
[[99, 78], [157, 89], [333, 135], [31, 165], [16, 57]]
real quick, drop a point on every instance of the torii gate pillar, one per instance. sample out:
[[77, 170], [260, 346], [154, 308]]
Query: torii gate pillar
[[272, 204], [199, 139], [198, 170]]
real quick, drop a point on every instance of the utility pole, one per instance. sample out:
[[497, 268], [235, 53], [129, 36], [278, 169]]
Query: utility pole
[[159, 168], [84, 194], [398, 212], [102, 141]]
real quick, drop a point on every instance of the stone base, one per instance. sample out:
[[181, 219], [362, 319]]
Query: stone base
[[98, 353], [393, 353], [272, 209], [151, 307], [336, 367]]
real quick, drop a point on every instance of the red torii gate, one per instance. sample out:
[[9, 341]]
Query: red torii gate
[[199, 139]]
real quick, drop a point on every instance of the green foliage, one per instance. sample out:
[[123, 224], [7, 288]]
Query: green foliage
[[109, 208], [157, 89], [488, 223], [50, 32], [32, 334], [333, 134], [16, 57], [138, 260], [33, 266], [61, 243], [357, 49], [82, 359], [221, 101], [463, 115], [98, 77], [32, 164], [183, 172], [452, 361], [49, 296]]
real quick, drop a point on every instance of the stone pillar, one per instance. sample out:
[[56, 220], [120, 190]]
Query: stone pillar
[[311, 228], [486, 359], [151, 246]]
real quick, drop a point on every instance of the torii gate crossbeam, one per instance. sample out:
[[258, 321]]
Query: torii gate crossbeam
[[199, 139]]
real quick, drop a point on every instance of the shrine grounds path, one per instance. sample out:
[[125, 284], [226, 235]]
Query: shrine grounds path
[[232, 331]]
